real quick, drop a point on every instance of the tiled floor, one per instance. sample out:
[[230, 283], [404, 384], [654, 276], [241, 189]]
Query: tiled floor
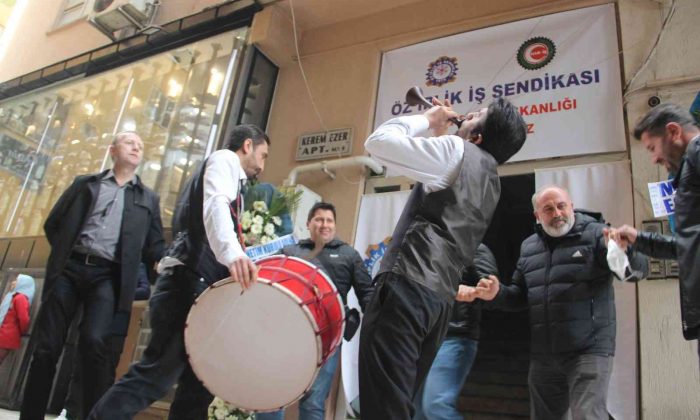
[[8, 415], [14, 415]]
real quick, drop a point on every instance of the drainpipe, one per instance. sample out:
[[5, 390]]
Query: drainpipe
[[327, 165]]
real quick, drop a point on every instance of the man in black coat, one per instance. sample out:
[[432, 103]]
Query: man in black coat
[[563, 278], [672, 137], [100, 229]]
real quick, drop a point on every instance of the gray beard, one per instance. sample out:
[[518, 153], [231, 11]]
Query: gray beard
[[560, 231]]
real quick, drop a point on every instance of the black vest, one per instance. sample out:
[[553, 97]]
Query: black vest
[[188, 220], [438, 233]]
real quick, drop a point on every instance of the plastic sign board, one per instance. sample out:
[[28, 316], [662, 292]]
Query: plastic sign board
[[332, 143], [662, 195]]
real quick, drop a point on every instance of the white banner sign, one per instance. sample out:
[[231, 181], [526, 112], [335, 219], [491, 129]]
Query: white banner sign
[[662, 195], [561, 70], [379, 214]]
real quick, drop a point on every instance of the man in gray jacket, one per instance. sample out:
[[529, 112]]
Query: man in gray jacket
[[343, 265]]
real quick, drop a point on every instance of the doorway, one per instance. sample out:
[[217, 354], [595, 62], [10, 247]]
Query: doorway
[[497, 384]]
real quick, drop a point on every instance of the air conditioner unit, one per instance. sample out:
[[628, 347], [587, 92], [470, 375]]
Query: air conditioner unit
[[114, 15]]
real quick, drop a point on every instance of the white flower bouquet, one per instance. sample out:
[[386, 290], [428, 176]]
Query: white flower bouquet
[[219, 410], [261, 224], [258, 225]]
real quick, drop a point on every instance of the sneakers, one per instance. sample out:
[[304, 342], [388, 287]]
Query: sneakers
[[63, 415]]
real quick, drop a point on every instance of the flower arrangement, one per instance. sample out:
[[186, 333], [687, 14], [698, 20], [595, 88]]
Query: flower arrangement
[[219, 410], [261, 223], [258, 225]]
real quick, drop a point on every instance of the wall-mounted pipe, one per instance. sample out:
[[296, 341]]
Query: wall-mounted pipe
[[327, 165]]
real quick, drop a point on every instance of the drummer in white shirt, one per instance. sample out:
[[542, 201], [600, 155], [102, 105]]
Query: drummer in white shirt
[[207, 248]]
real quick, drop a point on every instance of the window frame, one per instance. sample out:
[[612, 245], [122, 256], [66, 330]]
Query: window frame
[[83, 8]]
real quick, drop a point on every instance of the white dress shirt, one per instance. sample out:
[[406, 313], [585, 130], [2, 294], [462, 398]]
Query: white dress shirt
[[222, 179], [433, 161]]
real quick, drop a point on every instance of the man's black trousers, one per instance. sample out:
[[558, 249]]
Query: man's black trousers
[[93, 287], [402, 330], [164, 361]]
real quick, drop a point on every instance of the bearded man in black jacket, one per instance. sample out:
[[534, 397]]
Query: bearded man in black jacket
[[563, 278]]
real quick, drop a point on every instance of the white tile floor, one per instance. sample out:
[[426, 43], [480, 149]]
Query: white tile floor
[[14, 415]]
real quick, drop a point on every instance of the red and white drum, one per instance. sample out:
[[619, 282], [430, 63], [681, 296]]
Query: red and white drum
[[260, 350]]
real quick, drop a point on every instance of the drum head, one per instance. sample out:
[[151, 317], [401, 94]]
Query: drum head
[[257, 350]]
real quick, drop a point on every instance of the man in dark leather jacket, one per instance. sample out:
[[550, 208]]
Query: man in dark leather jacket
[[563, 278], [672, 137], [437, 399], [343, 265]]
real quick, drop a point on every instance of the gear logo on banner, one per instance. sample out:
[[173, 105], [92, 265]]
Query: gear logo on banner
[[536, 53], [374, 254], [441, 71]]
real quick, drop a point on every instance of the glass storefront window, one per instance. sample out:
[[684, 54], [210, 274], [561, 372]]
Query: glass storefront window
[[174, 100]]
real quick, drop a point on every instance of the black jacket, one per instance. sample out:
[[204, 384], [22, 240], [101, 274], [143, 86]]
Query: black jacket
[[141, 237], [685, 245], [567, 286], [342, 264], [466, 317]]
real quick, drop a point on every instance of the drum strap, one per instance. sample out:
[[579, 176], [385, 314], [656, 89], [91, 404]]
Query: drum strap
[[237, 211]]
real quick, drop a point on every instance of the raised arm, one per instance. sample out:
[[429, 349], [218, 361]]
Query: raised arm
[[649, 243], [433, 161]]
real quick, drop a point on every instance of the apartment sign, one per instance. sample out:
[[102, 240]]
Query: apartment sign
[[332, 143]]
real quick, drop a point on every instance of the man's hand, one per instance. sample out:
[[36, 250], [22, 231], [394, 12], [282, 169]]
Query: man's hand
[[244, 271], [627, 233], [624, 235], [439, 117], [465, 294], [487, 289]]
